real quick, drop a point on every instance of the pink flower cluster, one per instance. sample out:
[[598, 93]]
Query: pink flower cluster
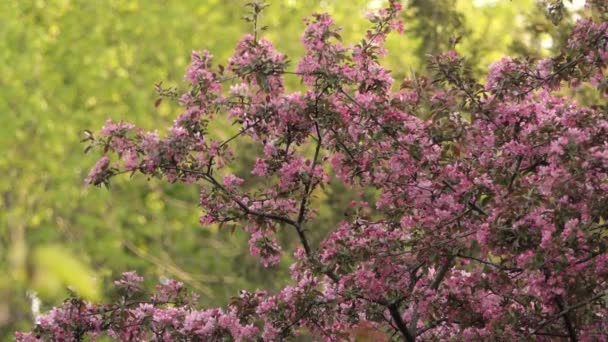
[[157, 320]]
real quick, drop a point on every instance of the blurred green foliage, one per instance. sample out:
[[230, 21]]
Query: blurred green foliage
[[68, 65]]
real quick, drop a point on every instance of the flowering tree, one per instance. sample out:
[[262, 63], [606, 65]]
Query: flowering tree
[[488, 221]]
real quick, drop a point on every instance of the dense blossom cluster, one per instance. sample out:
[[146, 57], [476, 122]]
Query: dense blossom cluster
[[489, 223]]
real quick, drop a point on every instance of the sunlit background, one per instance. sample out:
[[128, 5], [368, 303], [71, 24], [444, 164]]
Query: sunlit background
[[68, 65]]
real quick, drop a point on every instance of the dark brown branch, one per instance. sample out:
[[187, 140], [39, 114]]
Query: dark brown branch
[[241, 132], [431, 325], [485, 262], [550, 334], [307, 192], [567, 320], [441, 273], [396, 316], [410, 333], [472, 204], [278, 218], [246, 208], [209, 178], [566, 310], [515, 173], [308, 187]]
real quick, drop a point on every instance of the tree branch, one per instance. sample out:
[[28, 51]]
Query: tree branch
[[431, 325], [396, 315], [246, 208], [567, 320], [209, 178], [566, 310], [481, 261], [442, 272]]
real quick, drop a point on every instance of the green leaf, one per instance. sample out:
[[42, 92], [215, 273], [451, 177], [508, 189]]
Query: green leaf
[[57, 269]]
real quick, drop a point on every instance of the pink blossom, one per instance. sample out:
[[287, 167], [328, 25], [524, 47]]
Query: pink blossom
[[96, 174], [129, 281], [231, 180]]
